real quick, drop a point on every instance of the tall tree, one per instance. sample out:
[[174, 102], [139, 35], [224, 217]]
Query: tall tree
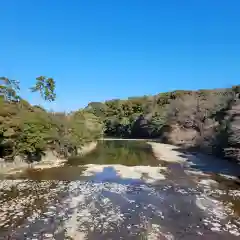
[[9, 89], [46, 87]]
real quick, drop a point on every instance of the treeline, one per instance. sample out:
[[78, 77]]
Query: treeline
[[29, 131], [206, 119]]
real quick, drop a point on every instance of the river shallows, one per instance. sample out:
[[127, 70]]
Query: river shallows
[[126, 153], [185, 204]]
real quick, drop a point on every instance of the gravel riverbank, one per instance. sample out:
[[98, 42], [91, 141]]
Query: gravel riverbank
[[113, 201]]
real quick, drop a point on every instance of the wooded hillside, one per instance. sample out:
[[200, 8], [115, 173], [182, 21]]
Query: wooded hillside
[[207, 119], [29, 131]]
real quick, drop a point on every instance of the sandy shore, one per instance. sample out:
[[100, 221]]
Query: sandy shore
[[168, 153], [163, 152], [171, 153]]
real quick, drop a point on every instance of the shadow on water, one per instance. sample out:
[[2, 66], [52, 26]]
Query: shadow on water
[[128, 153], [110, 175], [170, 204], [210, 164], [226, 173]]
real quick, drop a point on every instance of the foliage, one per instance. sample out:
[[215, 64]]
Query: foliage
[[31, 130], [232, 148], [46, 87], [196, 118], [9, 89], [207, 119]]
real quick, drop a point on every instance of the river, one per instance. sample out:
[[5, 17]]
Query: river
[[120, 191]]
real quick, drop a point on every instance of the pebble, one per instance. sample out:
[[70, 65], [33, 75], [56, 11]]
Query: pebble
[[216, 224], [20, 214], [80, 194], [48, 235], [234, 232], [215, 229]]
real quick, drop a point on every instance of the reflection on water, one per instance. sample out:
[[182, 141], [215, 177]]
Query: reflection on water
[[60, 203], [107, 152], [129, 153]]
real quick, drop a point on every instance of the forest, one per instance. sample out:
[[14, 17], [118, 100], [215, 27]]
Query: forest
[[207, 120], [28, 131]]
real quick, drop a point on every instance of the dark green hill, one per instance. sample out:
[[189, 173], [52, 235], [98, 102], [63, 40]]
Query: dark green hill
[[206, 119]]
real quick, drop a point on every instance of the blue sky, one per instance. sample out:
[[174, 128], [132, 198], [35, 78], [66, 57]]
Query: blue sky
[[98, 50]]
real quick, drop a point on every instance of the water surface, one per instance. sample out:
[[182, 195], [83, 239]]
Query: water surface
[[192, 202], [128, 153]]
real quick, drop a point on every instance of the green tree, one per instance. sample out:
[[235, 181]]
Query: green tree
[[156, 124], [46, 87], [9, 89]]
